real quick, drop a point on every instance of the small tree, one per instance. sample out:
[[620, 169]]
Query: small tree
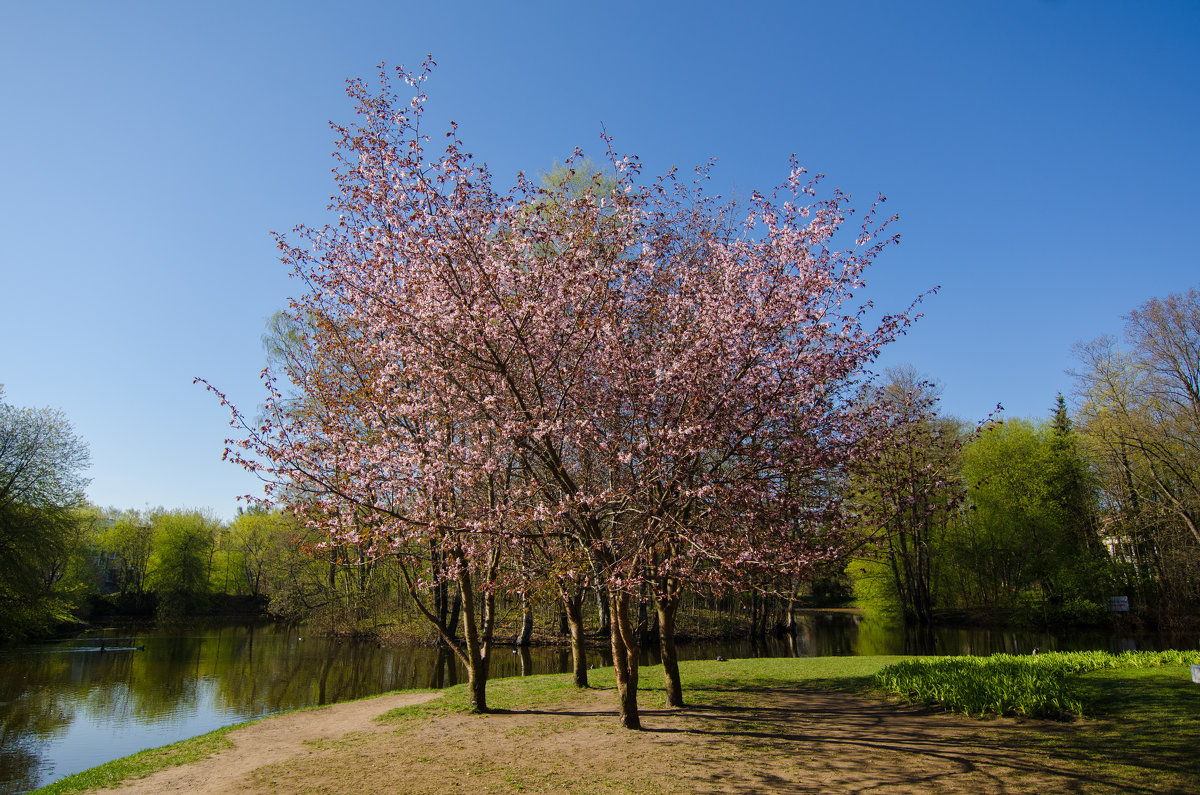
[[909, 493], [625, 369], [180, 564], [253, 543], [1026, 534], [41, 526], [125, 543]]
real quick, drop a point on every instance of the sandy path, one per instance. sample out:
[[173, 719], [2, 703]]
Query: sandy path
[[781, 739], [789, 740], [272, 741]]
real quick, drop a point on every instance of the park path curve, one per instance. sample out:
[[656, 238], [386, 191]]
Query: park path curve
[[272, 741]]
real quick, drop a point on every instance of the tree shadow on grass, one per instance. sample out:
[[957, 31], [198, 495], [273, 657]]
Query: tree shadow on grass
[[763, 737], [999, 755], [823, 740], [1148, 719]]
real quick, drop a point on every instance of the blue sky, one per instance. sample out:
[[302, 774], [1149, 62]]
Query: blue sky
[[1042, 157]]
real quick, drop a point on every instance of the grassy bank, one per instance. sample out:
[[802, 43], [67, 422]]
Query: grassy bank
[[749, 724], [143, 763]]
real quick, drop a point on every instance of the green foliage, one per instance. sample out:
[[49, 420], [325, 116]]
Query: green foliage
[[1029, 541], [579, 178], [1035, 686], [181, 559], [908, 495], [252, 550], [1027, 544], [999, 685], [43, 532], [124, 542], [875, 588]]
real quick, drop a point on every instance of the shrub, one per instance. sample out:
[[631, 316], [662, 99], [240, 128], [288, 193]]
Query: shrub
[[1037, 686]]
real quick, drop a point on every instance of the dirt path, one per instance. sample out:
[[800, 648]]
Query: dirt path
[[790, 740], [272, 741]]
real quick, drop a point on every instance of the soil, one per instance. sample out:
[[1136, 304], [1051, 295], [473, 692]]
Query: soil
[[781, 740]]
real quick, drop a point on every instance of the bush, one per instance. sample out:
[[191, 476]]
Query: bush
[[1076, 611], [1036, 686]]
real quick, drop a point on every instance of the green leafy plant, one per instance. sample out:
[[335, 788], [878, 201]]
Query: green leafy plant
[[1036, 686]]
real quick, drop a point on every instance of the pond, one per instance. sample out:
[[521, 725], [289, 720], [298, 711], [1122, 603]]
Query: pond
[[69, 705]]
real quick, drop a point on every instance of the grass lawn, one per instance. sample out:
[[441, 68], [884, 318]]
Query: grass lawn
[[809, 724], [1143, 728]]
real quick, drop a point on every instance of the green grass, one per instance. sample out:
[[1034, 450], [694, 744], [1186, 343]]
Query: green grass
[[1139, 734], [514, 692], [555, 690], [1040, 686], [842, 673], [142, 763]]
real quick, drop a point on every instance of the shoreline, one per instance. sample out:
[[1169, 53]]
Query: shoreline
[[778, 723]]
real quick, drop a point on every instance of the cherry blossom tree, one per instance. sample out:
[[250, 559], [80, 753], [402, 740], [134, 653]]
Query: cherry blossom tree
[[723, 407], [628, 372]]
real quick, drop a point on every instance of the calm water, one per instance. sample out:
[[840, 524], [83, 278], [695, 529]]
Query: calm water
[[67, 706]]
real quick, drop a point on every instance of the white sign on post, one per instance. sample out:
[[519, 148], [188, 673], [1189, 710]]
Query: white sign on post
[[1196, 674], [1118, 604]]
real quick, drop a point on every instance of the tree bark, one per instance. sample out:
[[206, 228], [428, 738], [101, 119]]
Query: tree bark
[[602, 601], [438, 598], [625, 660], [526, 633], [573, 609], [603, 597], [477, 648], [668, 608], [455, 609], [641, 630]]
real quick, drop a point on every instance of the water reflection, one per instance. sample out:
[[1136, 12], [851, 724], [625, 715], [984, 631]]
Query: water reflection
[[69, 705]]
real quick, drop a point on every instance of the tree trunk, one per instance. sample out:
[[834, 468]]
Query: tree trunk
[[477, 682], [573, 610], [451, 669], [455, 609], [625, 660], [642, 630], [602, 602], [443, 669], [476, 648], [668, 608], [526, 633], [438, 599]]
